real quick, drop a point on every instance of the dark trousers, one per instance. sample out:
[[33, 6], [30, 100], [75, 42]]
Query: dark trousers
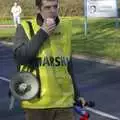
[[49, 114]]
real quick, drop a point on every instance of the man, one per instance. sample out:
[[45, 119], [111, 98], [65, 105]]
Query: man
[[16, 11], [47, 41]]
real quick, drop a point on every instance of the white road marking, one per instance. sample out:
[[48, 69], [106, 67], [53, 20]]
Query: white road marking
[[103, 114], [4, 79]]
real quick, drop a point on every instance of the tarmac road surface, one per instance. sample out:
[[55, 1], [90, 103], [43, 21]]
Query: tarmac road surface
[[96, 81]]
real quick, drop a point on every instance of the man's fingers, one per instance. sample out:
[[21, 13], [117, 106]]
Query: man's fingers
[[49, 26], [52, 27]]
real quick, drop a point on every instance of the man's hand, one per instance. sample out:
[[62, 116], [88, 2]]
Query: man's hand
[[49, 25], [82, 102]]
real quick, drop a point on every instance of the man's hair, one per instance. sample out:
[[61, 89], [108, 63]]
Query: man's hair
[[39, 2]]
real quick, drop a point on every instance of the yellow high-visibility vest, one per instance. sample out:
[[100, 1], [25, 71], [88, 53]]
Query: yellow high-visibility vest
[[56, 83]]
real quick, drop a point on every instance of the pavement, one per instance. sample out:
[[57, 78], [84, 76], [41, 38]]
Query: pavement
[[96, 80], [4, 26]]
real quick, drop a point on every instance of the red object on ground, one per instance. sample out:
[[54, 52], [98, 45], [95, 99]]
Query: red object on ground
[[85, 117]]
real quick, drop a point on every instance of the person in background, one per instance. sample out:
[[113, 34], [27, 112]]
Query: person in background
[[16, 11]]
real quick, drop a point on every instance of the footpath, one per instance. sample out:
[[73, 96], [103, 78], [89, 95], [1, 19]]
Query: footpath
[[97, 59], [6, 26]]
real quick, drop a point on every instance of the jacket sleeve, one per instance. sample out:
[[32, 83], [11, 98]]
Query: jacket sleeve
[[72, 74], [25, 50]]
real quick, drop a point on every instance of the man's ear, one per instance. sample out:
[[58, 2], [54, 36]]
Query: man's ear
[[58, 6]]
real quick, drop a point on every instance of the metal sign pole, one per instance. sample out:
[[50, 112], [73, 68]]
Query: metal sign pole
[[85, 15], [116, 21]]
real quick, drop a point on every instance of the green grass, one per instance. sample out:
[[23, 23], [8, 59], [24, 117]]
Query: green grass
[[7, 33], [4, 21], [102, 40]]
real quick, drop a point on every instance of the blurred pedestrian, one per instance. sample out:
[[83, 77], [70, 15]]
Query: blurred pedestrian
[[16, 11]]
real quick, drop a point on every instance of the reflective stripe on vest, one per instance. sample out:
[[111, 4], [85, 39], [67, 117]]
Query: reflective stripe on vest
[[56, 83]]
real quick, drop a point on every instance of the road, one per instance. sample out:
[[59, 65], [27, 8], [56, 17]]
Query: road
[[96, 81]]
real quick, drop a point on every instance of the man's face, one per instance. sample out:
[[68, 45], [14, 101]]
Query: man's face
[[49, 9]]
